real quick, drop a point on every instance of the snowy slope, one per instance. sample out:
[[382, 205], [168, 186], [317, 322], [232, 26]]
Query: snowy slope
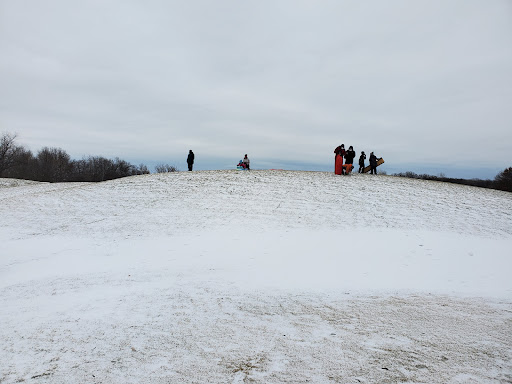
[[261, 276]]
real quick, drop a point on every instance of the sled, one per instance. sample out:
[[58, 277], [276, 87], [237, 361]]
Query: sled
[[338, 165], [369, 168], [241, 166]]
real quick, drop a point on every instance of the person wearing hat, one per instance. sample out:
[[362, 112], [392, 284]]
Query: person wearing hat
[[361, 162]]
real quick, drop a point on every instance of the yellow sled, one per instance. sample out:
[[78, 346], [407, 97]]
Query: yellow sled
[[369, 168]]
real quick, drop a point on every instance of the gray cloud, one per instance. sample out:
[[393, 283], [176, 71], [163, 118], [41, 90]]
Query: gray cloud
[[424, 82]]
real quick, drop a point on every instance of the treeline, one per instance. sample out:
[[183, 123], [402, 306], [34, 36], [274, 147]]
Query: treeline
[[502, 181], [55, 165]]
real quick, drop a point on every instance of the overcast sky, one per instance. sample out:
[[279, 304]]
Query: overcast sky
[[418, 82]]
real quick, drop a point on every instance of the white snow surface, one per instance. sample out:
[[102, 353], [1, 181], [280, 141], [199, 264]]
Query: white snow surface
[[255, 277]]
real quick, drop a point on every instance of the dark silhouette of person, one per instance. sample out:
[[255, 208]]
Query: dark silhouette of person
[[190, 160], [373, 163], [349, 160], [349, 155], [361, 162]]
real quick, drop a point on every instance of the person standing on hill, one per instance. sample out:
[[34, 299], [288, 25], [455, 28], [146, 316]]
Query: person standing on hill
[[190, 160], [247, 162], [349, 155], [373, 163], [361, 162], [349, 160], [340, 151]]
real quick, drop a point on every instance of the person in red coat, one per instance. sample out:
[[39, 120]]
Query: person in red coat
[[338, 159], [340, 150]]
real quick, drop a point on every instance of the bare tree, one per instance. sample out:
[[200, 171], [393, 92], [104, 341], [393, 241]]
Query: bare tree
[[54, 165], [8, 151], [163, 168], [25, 165], [142, 169], [503, 180]]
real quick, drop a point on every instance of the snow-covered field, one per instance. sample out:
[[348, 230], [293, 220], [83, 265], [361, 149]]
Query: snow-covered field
[[261, 276]]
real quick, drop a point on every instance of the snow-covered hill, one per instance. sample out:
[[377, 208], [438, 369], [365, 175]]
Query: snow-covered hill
[[261, 276]]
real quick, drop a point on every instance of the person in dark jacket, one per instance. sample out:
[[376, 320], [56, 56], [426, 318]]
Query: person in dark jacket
[[361, 162], [349, 160], [349, 155], [373, 163], [190, 160]]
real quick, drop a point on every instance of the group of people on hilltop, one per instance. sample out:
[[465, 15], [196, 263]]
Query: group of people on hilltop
[[245, 163], [349, 156]]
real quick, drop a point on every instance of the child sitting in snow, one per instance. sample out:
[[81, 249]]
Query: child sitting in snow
[[241, 165]]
